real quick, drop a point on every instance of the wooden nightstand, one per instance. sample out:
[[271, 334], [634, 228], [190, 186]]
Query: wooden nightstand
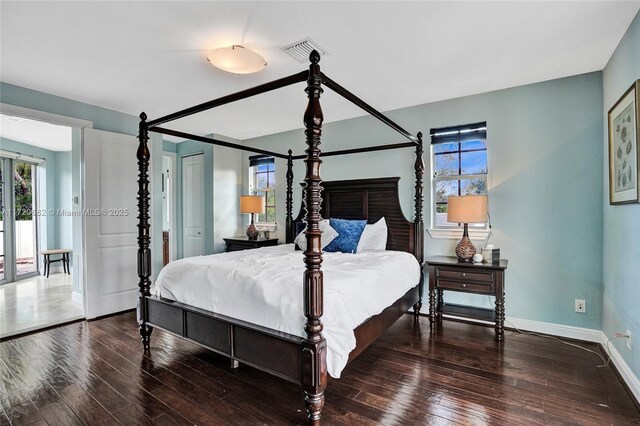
[[446, 273], [244, 243]]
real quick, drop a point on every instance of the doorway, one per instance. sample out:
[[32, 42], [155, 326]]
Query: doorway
[[169, 241], [36, 179]]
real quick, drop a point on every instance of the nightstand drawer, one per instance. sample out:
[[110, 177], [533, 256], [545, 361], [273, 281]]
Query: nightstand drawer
[[463, 275], [465, 286]]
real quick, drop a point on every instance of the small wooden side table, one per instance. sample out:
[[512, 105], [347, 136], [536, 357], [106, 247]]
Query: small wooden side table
[[244, 243], [447, 273]]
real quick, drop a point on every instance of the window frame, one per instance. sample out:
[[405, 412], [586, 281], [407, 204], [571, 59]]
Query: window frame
[[455, 230], [253, 182]]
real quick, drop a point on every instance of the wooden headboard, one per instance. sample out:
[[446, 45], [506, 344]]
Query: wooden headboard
[[369, 199]]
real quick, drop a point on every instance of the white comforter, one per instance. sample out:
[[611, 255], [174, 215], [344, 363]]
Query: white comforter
[[264, 287]]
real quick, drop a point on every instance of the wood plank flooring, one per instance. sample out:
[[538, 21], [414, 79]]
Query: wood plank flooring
[[96, 374]]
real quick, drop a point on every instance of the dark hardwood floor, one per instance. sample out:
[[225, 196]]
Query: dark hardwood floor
[[95, 373]]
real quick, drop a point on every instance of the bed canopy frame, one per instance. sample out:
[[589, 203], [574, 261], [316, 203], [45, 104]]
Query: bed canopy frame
[[300, 359]]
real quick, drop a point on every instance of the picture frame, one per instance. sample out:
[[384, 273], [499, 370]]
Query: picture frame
[[624, 152]]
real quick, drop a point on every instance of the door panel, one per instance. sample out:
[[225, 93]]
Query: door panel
[[110, 222], [193, 204]]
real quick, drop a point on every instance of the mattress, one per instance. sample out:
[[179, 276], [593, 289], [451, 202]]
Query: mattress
[[264, 287]]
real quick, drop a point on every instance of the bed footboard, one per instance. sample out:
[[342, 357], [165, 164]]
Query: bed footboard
[[266, 349]]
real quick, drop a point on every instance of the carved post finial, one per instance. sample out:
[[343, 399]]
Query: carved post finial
[[144, 239], [314, 57]]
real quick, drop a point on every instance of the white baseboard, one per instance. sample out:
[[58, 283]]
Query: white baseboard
[[623, 368], [77, 298], [584, 334], [571, 332]]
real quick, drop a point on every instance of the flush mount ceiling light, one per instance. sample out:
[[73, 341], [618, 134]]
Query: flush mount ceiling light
[[236, 59]]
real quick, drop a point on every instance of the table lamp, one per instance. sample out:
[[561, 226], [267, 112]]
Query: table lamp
[[252, 204], [466, 209]]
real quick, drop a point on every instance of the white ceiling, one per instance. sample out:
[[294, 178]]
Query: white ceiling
[[151, 56], [36, 133]]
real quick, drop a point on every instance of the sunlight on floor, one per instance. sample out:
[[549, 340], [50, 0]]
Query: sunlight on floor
[[36, 302]]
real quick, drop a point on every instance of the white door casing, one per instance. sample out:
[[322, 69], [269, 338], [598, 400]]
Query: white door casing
[[193, 205], [110, 222]]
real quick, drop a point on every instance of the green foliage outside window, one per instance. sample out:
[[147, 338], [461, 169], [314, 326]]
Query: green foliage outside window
[[23, 189]]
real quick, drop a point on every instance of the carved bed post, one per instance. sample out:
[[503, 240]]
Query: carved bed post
[[290, 232], [314, 347], [418, 222], [144, 240]]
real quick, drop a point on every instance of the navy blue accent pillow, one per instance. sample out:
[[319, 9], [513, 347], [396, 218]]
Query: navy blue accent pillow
[[349, 232]]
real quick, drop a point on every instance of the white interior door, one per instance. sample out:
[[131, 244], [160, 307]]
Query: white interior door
[[193, 205], [110, 222]]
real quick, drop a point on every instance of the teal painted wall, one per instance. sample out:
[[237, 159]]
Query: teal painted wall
[[544, 157], [103, 119], [169, 146], [227, 188], [621, 274], [63, 195]]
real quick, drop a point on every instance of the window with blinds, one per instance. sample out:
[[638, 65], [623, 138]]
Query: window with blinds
[[459, 164], [263, 182]]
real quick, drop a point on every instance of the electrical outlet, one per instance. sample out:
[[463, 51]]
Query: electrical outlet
[[581, 306], [629, 340]]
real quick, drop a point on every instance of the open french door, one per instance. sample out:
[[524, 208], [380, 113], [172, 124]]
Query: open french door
[[110, 222]]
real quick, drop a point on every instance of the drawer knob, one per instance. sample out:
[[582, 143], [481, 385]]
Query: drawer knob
[[464, 274], [464, 285]]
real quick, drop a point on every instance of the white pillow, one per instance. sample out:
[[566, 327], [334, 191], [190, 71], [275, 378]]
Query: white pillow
[[374, 237], [328, 234]]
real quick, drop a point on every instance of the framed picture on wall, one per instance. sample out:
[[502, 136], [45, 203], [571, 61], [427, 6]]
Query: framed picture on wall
[[624, 155]]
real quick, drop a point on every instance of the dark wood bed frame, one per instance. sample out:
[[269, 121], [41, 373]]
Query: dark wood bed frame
[[299, 359]]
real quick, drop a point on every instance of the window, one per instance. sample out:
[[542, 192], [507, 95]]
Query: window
[[263, 182], [459, 164]]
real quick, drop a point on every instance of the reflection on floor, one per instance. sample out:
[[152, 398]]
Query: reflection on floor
[[35, 303]]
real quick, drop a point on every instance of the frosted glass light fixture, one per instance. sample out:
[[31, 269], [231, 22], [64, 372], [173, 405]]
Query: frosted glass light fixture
[[236, 59]]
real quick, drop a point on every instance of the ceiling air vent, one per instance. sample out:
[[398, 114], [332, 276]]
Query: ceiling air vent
[[300, 50]]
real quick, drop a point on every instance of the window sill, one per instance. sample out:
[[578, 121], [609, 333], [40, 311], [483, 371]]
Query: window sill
[[456, 234]]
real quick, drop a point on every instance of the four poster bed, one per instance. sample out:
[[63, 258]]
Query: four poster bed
[[298, 357]]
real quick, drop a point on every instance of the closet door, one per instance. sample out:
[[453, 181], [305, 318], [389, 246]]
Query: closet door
[[110, 222], [193, 205]]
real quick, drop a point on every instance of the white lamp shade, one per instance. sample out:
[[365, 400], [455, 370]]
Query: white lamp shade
[[236, 59], [467, 209], [251, 204]]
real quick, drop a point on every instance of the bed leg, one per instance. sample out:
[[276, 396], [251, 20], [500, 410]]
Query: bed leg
[[314, 403], [233, 364], [416, 310], [145, 336]]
